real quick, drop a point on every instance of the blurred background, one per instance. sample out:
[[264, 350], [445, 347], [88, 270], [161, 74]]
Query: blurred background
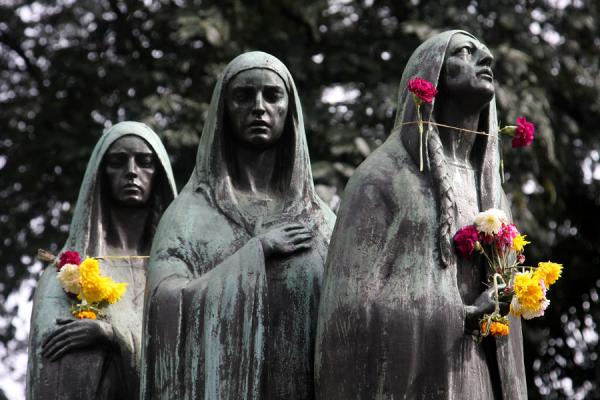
[[70, 69]]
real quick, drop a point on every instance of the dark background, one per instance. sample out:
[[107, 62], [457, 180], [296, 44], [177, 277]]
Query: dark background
[[69, 69]]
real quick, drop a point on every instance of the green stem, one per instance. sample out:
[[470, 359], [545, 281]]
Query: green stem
[[420, 120]]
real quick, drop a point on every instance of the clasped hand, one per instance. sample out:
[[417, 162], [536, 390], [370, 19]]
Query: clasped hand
[[73, 334]]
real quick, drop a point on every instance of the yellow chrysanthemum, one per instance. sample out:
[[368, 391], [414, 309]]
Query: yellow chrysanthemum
[[529, 291], [519, 243], [85, 314], [97, 288], [89, 266], [116, 291], [549, 272]]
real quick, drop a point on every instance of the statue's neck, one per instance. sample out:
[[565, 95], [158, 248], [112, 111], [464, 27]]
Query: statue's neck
[[126, 230], [255, 171], [457, 143]]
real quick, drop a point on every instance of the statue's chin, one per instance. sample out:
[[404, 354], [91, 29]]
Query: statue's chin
[[132, 201]]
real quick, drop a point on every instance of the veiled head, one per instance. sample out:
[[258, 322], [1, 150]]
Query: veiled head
[[93, 207], [256, 107]]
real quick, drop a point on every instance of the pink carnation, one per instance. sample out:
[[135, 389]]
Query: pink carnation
[[69, 257], [466, 239], [422, 88], [523, 133], [506, 235]]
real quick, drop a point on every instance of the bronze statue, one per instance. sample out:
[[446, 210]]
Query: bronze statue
[[398, 307], [127, 185], [236, 265]]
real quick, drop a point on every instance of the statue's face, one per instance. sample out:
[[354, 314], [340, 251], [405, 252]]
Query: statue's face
[[257, 105], [129, 166], [468, 69]]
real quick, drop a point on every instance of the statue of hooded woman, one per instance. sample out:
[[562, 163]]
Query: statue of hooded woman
[[127, 185], [236, 264], [399, 307]]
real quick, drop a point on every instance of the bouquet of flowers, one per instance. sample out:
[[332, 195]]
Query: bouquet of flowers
[[502, 245], [83, 281]]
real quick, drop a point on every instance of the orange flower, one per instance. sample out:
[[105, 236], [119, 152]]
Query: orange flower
[[85, 314], [496, 328]]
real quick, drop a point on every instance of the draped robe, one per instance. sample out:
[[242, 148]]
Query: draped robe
[[221, 321], [392, 318], [97, 372]]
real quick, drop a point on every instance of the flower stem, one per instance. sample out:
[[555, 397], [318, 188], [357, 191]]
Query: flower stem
[[420, 120]]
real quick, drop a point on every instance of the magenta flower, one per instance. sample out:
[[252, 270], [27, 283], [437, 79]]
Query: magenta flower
[[466, 239], [68, 257], [422, 88], [504, 238], [523, 133]]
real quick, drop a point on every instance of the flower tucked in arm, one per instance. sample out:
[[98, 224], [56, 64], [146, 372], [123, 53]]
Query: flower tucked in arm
[[466, 240]]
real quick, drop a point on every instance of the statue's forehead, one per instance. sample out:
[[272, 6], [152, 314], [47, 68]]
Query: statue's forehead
[[130, 143], [461, 37], [257, 77]]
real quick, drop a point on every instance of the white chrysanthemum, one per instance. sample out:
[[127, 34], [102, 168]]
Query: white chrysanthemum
[[68, 276], [490, 221], [538, 313], [517, 310]]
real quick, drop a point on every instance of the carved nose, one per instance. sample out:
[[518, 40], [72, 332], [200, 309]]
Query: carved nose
[[259, 104], [486, 58], [131, 169]]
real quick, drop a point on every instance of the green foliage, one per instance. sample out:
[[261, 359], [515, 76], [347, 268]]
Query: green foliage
[[70, 69]]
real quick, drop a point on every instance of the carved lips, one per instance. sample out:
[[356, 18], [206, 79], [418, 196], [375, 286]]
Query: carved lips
[[132, 188], [486, 73], [259, 125]]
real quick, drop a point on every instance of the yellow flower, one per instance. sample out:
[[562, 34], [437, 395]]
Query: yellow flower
[[97, 288], [85, 314], [519, 243], [89, 266], [529, 291], [549, 272], [116, 291]]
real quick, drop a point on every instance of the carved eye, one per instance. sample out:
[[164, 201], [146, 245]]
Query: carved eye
[[115, 160], [273, 94], [145, 160], [465, 51], [242, 94]]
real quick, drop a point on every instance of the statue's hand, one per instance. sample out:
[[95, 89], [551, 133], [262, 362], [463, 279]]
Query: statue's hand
[[72, 334], [286, 239], [484, 304]]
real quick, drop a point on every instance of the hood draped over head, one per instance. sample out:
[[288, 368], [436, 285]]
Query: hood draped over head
[[427, 62], [393, 319], [215, 164], [86, 233], [222, 319]]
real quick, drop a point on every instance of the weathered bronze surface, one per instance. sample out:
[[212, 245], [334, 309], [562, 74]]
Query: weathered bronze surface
[[236, 265], [127, 185], [398, 306]]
